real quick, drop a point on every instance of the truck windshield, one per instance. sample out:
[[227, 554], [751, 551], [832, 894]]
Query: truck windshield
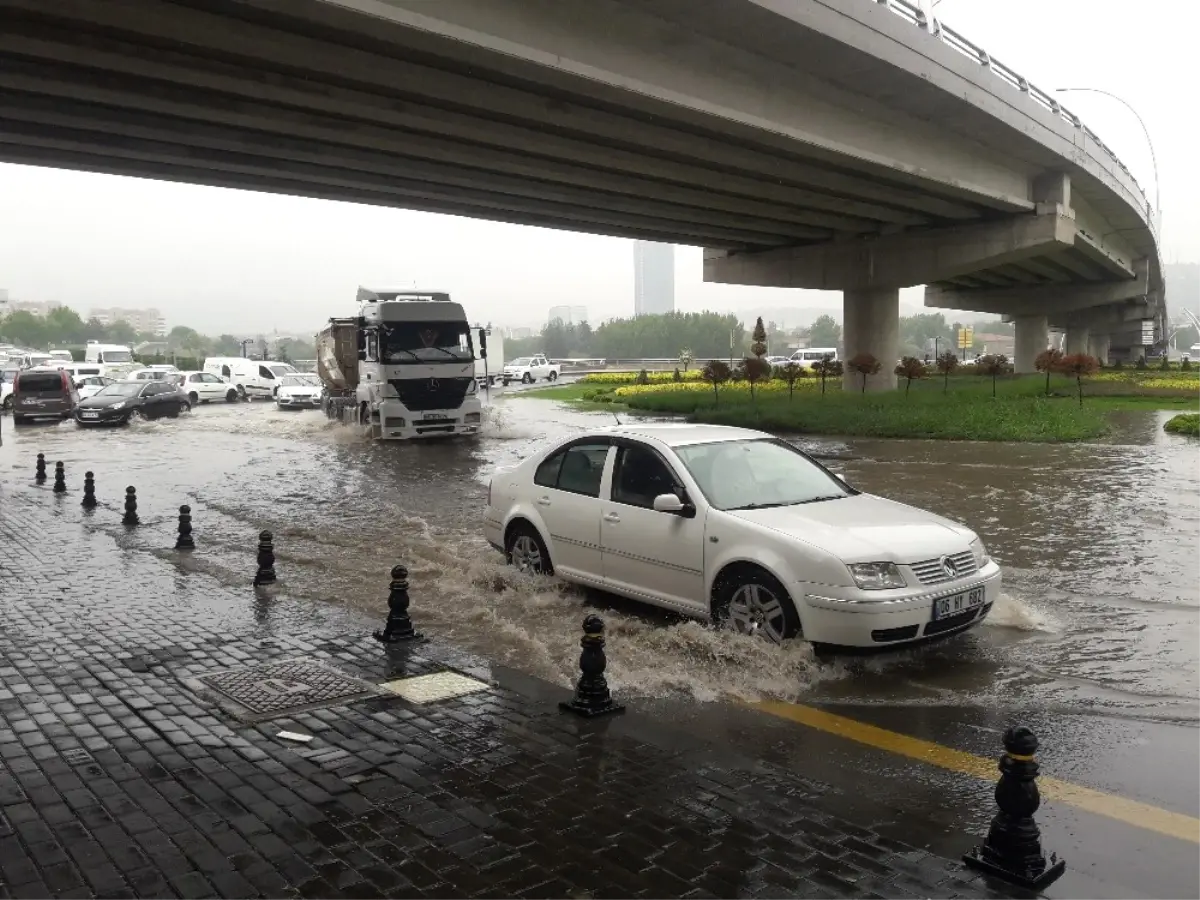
[[116, 356], [421, 342]]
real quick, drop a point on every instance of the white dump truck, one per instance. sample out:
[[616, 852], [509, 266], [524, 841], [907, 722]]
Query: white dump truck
[[403, 368]]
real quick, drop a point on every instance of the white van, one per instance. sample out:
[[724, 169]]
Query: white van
[[117, 359], [62, 355], [810, 355], [252, 377]]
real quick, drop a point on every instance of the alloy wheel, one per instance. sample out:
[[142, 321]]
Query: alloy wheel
[[754, 610], [526, 555]]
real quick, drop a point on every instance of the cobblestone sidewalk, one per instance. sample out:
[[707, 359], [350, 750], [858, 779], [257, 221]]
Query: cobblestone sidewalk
[[121, 775]]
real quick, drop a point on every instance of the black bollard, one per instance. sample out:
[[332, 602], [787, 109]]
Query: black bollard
[[131, 515], [60, 478], [399, 626], [592, 696], [185, 541], [266, 560], [1013, 848], [40, 475], [89, 491]]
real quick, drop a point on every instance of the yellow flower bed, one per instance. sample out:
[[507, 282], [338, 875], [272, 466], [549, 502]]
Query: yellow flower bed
[[1148, 378], [1178, 384], [774, 386], [631, 377]]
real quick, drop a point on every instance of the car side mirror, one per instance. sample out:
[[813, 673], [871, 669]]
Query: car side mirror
[[670, 503]]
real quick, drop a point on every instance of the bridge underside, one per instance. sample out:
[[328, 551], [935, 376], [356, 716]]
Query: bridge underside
[[646, 120]]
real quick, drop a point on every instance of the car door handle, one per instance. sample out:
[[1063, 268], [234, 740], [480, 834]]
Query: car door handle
[[543, 501], [612, 517]]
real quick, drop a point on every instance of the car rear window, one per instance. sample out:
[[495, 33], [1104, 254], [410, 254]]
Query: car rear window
[[48, 383]]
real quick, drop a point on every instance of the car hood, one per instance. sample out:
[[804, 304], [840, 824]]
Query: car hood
[[98, 402], [864, 528]]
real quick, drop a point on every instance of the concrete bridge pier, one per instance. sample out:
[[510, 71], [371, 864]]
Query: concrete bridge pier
[[1031, 337], [871, 324], [1098, 347], [1078, 340]]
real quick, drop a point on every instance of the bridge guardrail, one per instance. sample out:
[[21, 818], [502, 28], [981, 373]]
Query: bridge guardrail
[[916, 16]]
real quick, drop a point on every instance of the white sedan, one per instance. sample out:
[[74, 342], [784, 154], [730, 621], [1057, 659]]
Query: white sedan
[[741, 528], [298, 391], [91, 385]]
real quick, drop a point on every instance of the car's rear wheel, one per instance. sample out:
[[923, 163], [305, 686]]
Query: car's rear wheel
[[8, 402], [751, 601], [193, 398], [553, 377], [526, 552], [231, 396]]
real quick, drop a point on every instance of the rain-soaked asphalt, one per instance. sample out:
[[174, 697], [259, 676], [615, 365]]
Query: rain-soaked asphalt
[[1095, 643]]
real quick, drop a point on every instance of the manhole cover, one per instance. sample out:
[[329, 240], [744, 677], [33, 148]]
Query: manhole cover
[[438, 686], [275, 688]]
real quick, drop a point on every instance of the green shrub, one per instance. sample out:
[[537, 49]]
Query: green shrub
[[1187, 424]]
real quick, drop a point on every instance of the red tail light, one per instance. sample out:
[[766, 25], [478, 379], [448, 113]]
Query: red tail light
[[66, 380]]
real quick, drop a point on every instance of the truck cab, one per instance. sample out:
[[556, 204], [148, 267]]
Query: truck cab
[[528, 369], [403, 368], [117, 359]]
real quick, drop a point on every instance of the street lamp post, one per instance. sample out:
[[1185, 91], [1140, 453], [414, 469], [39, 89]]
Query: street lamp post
[[1145, 131]]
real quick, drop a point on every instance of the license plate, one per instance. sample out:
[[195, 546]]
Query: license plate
[[88, 415], [435, 417], [945, 607]]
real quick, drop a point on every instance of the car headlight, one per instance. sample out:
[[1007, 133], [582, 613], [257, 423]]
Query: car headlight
[[980, 553], [118, 405], [877, 576]]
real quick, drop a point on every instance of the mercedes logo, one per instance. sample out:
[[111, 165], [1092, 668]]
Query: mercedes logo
[[949, 567]]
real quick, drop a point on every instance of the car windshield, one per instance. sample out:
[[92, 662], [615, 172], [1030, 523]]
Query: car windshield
[[298, 381], [39, 360], [121, 389], [419, 342], [522, 361], [758, 473], [280, 369], [117, 356]]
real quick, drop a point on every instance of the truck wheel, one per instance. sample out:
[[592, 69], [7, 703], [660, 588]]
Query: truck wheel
[[553, 377], [526, 378], [231, 396]]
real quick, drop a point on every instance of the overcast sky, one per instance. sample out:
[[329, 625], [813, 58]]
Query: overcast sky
[[223, 260]]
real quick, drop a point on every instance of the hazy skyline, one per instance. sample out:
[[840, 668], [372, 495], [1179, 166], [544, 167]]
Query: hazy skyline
[[222, 260]]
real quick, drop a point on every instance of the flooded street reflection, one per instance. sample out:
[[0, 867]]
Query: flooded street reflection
[[1098, 544]]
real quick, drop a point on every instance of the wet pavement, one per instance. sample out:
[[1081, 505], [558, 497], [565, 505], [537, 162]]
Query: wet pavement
[[1094, 642], [122, 773]]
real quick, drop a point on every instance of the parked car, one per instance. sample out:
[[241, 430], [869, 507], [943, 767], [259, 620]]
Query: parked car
[[528, 369], [7, 377], [250, 377], [117, 403], [741, 528], [45, 392], [91, 385], [204, 387], [298, 392], [152, 373]]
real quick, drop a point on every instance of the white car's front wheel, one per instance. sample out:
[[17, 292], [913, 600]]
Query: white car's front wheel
[[751, 601]]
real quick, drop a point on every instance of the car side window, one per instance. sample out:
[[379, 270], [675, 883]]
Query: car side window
[[577, 470], [640, 476], [264, 372]]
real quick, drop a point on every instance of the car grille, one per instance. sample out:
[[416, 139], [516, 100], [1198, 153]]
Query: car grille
[[431, 393], [932, 571]]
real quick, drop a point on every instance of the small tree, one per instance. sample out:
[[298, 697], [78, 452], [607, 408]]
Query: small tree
[[676, 376], [643, 377], [755, 370], [827, 367], [1078, 365], [910, 367], [1140, 365], [686, 358], [993, 366], [946, 364], [791, 373], [1165, 365], [1048, 361], [716, 373], [865, 365], [1185, 366], [758, 339]]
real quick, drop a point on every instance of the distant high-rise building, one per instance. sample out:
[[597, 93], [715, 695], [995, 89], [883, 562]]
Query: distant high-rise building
[[149, 321], [653, 278], [568, 315]]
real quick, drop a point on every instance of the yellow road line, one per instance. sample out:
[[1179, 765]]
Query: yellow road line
[[1131, 812]]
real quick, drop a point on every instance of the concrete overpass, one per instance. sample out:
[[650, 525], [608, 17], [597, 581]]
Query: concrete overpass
[[839, 144]]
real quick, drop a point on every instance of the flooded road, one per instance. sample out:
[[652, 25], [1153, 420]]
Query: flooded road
[[1098, 543], [1095, 642]]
